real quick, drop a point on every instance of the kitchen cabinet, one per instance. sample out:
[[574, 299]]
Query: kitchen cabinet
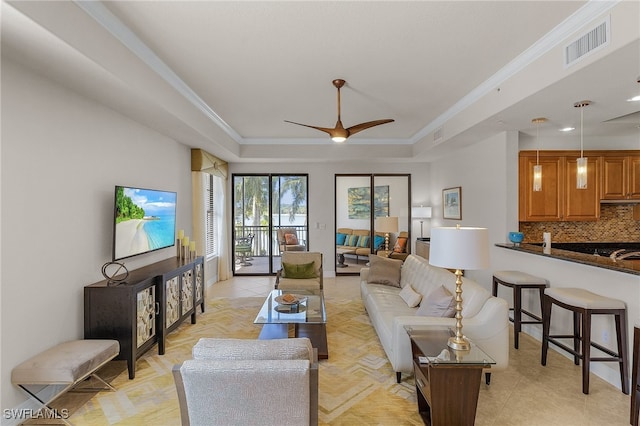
[[621, 177], [581, 204], [545, 205], [559, 200]]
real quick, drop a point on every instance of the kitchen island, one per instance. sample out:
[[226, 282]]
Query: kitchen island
[[629, 266]]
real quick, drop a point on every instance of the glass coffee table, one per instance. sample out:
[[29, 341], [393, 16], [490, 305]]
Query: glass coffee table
[[306, 315]]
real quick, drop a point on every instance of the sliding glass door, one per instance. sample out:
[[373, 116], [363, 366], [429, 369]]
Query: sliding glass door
[[266, 206], [363, 202]]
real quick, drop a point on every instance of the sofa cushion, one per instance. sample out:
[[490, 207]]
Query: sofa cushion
[[378, 241], [439, 303], [401, 245], [363, 241], [299, 270], [291, 239], [352, 240], [340, 238], [410, 296], [423, 277], [384, 271]]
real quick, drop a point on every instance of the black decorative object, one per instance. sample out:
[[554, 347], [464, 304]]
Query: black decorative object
[[111, 271]]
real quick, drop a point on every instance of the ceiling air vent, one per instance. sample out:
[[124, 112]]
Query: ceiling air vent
[[437, 134], [597, 38]]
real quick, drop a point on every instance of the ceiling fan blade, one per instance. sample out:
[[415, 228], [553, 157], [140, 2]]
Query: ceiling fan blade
[[322, 129], [362, 126]]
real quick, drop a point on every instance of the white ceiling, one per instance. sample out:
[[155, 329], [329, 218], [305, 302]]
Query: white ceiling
[[224, 76]]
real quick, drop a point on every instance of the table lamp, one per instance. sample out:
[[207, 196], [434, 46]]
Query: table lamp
[[387, 225], [421, 213], [459, 248]]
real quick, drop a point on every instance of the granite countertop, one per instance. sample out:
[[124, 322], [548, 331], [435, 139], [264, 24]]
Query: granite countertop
[[626, 266]]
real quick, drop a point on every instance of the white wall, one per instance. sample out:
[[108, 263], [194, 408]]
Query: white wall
[[488, 175], [62, 155]]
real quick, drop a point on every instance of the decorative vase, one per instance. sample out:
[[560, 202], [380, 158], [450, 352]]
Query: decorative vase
[[516, 238]]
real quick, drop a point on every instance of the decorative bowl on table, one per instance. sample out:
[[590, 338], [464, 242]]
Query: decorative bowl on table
[[516, 238]]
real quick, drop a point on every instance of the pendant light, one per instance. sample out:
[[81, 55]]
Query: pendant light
[[537, 169], [581, 177]]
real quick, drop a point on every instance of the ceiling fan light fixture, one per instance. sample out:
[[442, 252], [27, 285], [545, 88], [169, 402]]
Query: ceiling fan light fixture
[[339, 133]]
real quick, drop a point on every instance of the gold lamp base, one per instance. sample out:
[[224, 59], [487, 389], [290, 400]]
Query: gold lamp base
[[459, 345], [459, 342]]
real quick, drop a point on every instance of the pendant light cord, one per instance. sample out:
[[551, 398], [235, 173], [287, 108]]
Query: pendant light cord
[[537, 143], [581, 131]]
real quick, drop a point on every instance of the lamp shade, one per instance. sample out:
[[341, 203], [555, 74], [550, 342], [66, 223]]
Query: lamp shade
[[459, 247], [387, 224], [421, 212]]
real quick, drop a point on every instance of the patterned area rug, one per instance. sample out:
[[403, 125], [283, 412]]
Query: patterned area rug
[[357, 384]]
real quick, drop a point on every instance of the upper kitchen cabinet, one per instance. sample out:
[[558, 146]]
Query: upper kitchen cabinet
[[559, 199], [581, 204], [621, 177], [544, 205]]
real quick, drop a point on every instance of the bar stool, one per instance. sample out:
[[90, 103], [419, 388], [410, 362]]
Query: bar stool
[[584, 304], [635, 377], [517, 281]]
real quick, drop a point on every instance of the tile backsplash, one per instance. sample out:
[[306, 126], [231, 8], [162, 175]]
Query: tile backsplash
[[616, 223]]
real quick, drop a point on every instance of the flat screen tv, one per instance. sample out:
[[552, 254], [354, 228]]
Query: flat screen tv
[[144, 221]]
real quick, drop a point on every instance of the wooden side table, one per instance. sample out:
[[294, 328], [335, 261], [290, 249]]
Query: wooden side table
[[448, 382]]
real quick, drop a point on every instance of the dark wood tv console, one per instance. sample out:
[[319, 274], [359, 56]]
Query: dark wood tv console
[[152, 302]]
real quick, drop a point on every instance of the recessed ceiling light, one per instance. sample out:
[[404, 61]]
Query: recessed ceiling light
[[567, 129], [634, 99]]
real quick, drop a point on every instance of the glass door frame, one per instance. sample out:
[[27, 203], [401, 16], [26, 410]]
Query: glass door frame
[[272, 251], [399, 210]]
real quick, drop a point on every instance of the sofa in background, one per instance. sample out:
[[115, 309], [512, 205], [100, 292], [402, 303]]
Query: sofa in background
[[356, 241], [485, 320]]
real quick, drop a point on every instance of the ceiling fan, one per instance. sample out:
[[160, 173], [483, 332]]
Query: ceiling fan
[[339, 133]]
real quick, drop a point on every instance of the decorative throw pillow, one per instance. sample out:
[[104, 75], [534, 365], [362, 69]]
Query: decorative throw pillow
[[401, 245], [410, 296], [439, 303], [299, 270], [378, 242], [352, 240], [340, 239], [363, 241], [384, 271], [291, 239]]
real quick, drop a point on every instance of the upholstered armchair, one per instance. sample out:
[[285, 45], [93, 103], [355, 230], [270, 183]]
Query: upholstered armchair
[[400, 249], [249, 382], [288, 240], [300, 271]]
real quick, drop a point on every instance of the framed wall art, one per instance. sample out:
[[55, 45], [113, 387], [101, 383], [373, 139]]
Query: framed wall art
[[452, 203], [359, 202]]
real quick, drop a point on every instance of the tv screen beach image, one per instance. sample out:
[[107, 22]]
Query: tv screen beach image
[[145, 221]]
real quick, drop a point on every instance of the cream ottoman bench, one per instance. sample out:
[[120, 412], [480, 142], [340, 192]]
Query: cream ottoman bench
[[51, 373]]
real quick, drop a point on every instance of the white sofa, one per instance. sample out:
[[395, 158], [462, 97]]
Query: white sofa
[[485, 317]]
